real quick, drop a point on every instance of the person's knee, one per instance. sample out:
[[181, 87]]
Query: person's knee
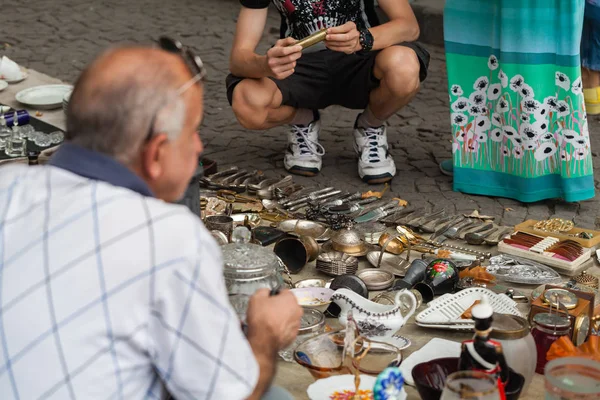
[[401, 70], [250, 103]]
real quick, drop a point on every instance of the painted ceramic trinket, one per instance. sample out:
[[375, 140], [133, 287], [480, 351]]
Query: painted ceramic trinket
[[440, 278], [389, 385]]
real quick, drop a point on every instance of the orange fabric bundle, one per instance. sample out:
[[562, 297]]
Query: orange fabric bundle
[[564, 347], [478, 274], [592, 347]]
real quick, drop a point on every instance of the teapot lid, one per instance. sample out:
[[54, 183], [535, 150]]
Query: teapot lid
[[347, 237], [248, 257]]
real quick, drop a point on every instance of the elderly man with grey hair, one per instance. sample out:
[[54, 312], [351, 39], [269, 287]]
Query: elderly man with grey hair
[[107, 289]]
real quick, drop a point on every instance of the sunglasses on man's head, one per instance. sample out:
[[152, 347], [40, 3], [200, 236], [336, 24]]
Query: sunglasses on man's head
[[193, 62]]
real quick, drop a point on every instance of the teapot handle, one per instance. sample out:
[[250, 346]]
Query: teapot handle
[[405, 294]]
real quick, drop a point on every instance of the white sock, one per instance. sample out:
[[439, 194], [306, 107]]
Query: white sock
[[368, 120], [303, 116]]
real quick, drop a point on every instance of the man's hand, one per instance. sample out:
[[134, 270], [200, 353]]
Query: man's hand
[[273, 319], [281, 58], [343, 38]]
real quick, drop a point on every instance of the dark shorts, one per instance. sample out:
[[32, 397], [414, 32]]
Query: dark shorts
[[325, 78]]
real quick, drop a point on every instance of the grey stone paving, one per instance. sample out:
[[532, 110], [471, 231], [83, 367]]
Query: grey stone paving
[[60, 37]]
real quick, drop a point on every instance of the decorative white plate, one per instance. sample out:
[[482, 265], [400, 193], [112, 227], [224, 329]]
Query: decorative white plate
[[435, 348], [323, 389], [396, 340], [3, 85], [446, 310], [24, 75], [45, 97]]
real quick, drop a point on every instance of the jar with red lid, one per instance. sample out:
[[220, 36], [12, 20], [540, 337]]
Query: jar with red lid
[[547, 329]]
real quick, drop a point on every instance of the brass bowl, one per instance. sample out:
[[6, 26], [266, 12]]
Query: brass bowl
[[396, 246]]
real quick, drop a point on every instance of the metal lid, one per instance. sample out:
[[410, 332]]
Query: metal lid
[[347, 237], [565, 297], [312, 321], [509, 327], [552, 321], [248, 258]]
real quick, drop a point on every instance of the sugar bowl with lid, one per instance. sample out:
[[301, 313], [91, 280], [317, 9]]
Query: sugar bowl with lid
[[247, 268]]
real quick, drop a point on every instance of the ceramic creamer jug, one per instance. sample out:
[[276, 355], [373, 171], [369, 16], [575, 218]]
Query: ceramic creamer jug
[[373, 319]]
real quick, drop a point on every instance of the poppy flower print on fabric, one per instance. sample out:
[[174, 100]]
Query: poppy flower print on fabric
[[502, 126]]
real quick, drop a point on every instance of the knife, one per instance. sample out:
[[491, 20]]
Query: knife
[[429, 227], [300, 193], [448, 225], [344, 199], [378, 212], [425, 218], [299, 205], [305, 198], [352, 207], [402, 215], [222, 174]]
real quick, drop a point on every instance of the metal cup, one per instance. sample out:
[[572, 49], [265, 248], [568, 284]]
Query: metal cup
[[221, 223], [296, 252]]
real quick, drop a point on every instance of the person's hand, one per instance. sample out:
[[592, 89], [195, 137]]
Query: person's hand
[[343, 38], [274, 320], [281, 58]]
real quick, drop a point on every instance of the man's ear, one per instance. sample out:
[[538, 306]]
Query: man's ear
[[153, 156]]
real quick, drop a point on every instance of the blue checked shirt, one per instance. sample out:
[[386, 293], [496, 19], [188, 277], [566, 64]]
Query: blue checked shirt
[[109, 293]]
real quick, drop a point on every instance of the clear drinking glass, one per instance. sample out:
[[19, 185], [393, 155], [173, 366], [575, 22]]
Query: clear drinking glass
[[18, 130], [572, 378], [471, 385], [5, 132], [16, 146]]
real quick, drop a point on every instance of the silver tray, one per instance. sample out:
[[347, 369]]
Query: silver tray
[[515, 269]]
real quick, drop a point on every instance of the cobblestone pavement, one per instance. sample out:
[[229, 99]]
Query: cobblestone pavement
[[61, 37]]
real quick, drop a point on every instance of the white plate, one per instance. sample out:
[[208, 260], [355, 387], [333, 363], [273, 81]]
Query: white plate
[[324, 388], [3, 85], [24, 75], [45, 97], [435, 348]]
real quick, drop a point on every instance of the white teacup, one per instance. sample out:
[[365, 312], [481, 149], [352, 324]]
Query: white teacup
[[9, 70]]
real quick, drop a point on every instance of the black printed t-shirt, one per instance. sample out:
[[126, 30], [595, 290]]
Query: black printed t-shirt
[[301, 18]]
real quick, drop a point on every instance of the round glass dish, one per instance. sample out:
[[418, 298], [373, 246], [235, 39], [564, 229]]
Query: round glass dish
[[311, 325], [571, 378]]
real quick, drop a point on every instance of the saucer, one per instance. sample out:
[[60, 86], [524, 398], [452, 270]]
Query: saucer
[[24, 75]]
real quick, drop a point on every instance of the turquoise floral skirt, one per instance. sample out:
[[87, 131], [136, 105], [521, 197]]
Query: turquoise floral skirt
[[519, 126]]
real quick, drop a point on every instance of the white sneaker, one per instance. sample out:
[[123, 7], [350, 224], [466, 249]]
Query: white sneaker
[[303, 155], [375, 164]]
